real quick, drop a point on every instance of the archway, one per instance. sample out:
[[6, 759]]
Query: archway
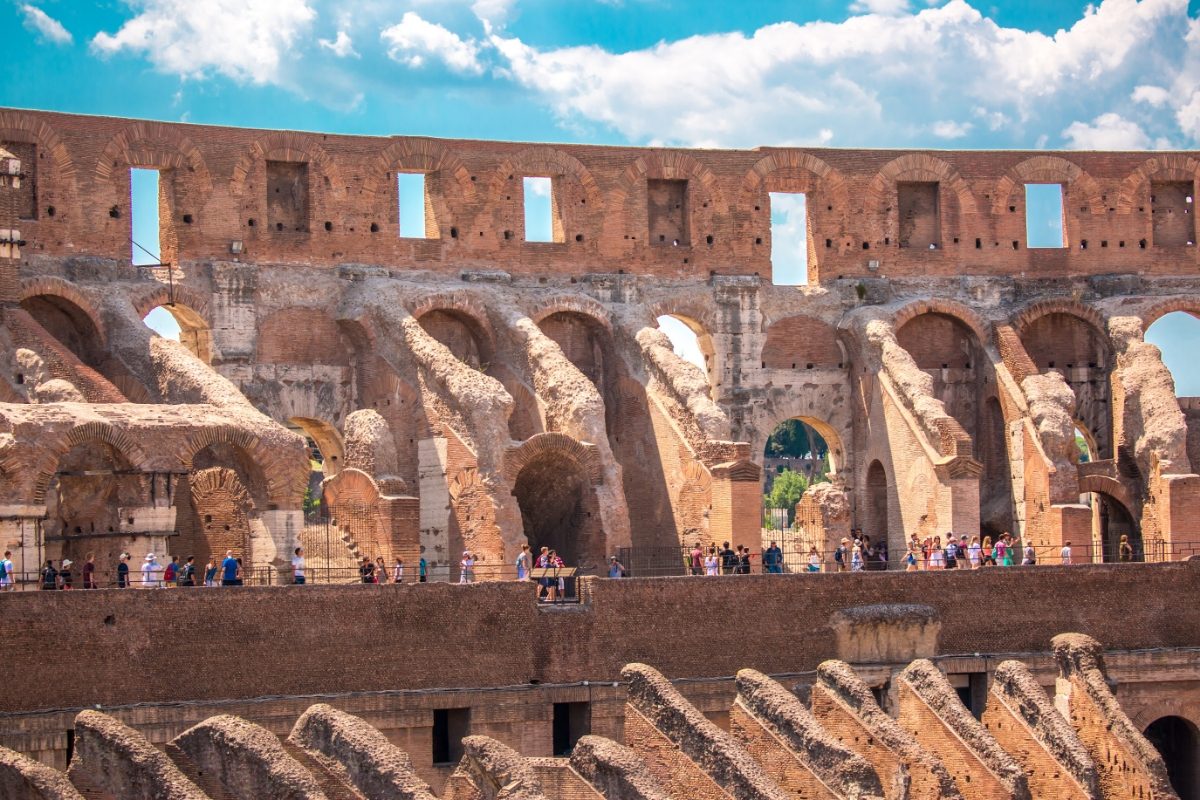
[[1178, 742], [558, 508], [92, 484], [1072, 346], [325, 455], [795, 457], [691, 343], [461, 334], [1175, 334], [73, 327], [876, 512], [184, 325], [995, 484], [1110, 521]]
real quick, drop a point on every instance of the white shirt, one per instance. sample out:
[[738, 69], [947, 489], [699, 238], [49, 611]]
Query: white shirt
[[298, 566], [398, 573], [1066, 555], [148, 570]]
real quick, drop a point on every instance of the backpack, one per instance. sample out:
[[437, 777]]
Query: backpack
[[839, 555]]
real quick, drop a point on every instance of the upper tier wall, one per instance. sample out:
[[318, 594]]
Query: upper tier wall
[[288, 197]]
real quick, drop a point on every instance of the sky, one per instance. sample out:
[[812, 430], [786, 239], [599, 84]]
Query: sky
[[1025, 74]]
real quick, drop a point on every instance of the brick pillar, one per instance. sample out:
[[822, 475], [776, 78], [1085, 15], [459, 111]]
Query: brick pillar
[[1178, 499], [1069, 522], [10, 233], [737, 505], [400, 521]]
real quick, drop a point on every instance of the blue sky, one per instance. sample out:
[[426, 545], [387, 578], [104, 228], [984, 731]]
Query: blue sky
[[1118, 74]]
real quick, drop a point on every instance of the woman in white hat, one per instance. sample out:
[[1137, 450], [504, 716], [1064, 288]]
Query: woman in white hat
[[149, 568]]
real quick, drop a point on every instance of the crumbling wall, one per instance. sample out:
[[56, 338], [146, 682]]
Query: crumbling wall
[[615, 770], [113, 758], [22, 777]]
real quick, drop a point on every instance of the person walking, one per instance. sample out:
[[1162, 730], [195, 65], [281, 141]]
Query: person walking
[[951, 552], [229, 569], [856, 558], [366, 570], [1029, 557], [8, 578], [467, 567], [422, 570], [398, 571], [937, 556], [123, 571], [1066, 553], [711, 562], [910, 558], [150, 571], [975, 553], [728, 559], [1124, 550], [523, 563], [89, 572], [697, 559], [989, 552], [381, 571], [49, 576], [65, 581], [298, 576], [814, 559], [841, 556], [615, 568], [170, 572], [187, 573], [210, 573], [773, 559], [1000, 552], [546, 585]]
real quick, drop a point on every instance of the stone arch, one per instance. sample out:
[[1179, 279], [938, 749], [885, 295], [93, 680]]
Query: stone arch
[[60, 186], [328, 440], [876, 508], [794, 171], [1189, 304], [190, 310], [1177, 740], [1033, 311], [465, 303], [629, 193], [1094, 483], [65, 290], [286, 146], [948, 308], [880, 199], [585, 454], [446, 318], [801, 342], [447, 177], [195, 301], [1047, 169], [834, 438], [1135, 188], [264, 487], [697, 313], [549, 161], [158, 146], [575, 304], [213, 515], [89, 432]]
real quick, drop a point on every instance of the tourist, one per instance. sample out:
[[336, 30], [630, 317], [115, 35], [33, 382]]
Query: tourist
[[910, 558], [989, 552], [546, 584], [557, 562], [49, 576], [169, 573], [229, 569], [840, 555], [697, 559], [523, 563], [773, 559], [914, 544], [467, 565], [366, 570], [210, 573], [1000, 552], [398, 571], [729, 560], [8, 581], [298, 577], [240, 576], [937, 556], [381, 572], [123, 571], [89, 572], [422, 570], [814, 559], [1124, 551], [187, 574], [951, 552], [856, 559], [64, 575], [926, 549], [975, 553], [615, 568], [1066, 553], [712, 564], [1029, 558], [150, 572], [744, 561]]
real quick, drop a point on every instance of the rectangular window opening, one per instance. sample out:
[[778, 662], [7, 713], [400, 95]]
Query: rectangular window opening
[[539, 210], [920, 215], [1171, 210], [1044, 215], [789, 238], [667, 212], [450, 726], [572, 721], [287, 196], [145, 230], [414, 208]]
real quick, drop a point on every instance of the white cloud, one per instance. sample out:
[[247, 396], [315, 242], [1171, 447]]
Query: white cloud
[[949, 129], [875, 78], [493, 12], [1106, 132], [887, 8], [342, 46], [413, 41], [45, 25], [246, 40], [1154, 96]]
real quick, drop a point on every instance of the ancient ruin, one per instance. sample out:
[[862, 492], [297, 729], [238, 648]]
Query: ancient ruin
[[471, 389]]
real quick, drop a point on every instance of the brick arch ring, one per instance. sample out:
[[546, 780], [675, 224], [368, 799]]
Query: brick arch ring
[[152, 144], [572, 304], [948, 308], [583, 454], [285, 146], [826, 177], [273, 489], [17, 127], [918, 166], [57, 287], [1047, 169], [424, 156], [1173, 167], [462, 302], [163, 295], [1035, 311], [1173, 707], [1102, 484], [1189, 304], [547, 160], [89, 432]]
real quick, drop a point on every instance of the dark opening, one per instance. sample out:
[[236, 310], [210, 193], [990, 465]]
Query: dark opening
[[450, 725], [70, 745], [572, 721], [1178, 742]]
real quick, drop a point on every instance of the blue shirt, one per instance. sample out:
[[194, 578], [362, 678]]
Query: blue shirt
[[229, 569]]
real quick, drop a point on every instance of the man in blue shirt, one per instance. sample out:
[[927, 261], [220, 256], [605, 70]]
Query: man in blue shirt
[[772, 559], [229, 570]]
